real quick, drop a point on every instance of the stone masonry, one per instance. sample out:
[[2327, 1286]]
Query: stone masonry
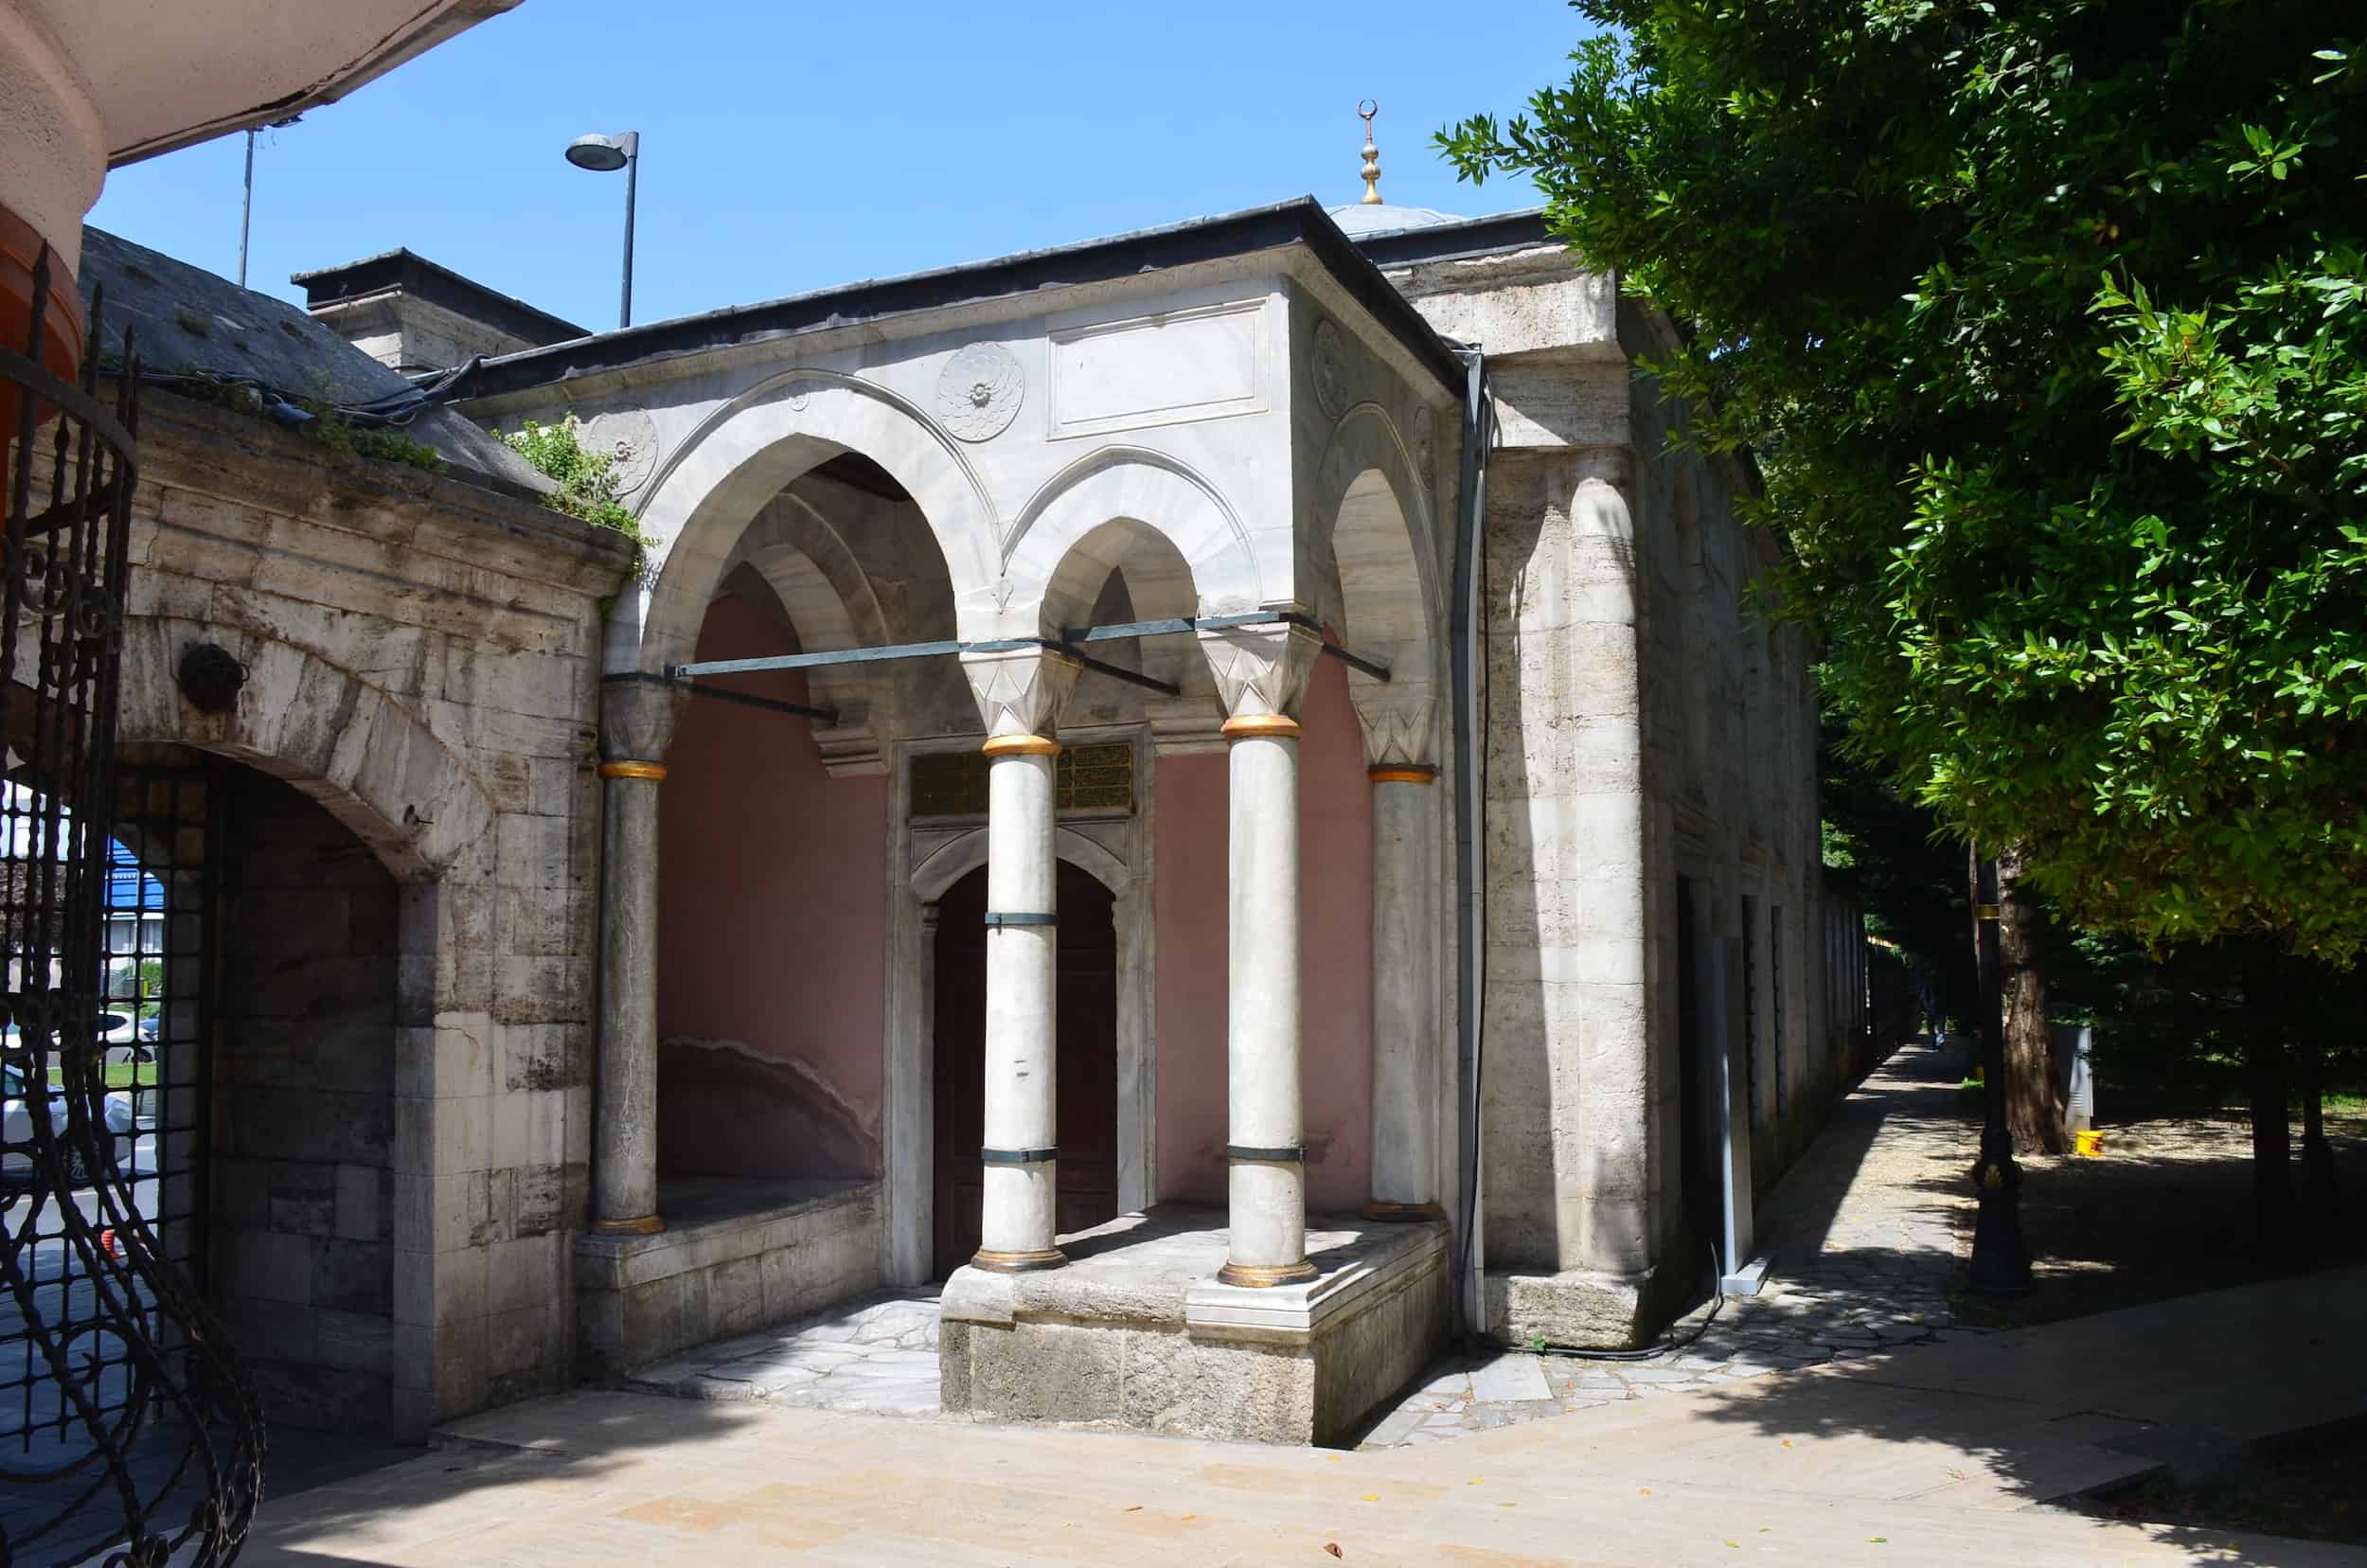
[[420, 659]]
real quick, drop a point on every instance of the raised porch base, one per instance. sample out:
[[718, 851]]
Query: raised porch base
[[1588, 1308], [1136, 1332], [735, 1257]]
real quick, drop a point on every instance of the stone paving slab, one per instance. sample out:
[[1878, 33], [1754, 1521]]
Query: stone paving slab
[[877, 1354]]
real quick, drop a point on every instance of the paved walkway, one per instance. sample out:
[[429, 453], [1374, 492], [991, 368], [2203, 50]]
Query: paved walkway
[[1936, 1453], [1864, 1233]]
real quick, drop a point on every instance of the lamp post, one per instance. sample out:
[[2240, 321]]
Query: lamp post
[[2000, 1259], [605, 155]]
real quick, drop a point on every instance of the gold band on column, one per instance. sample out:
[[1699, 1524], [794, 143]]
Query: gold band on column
[[1017, 1262], [648, 1225], [1266, 1276], [653, 772], [1248, 727], [1020, 745], [1402, 773]]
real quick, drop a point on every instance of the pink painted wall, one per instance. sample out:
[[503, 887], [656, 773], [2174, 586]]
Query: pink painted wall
[[771, 935], [1335, 959]]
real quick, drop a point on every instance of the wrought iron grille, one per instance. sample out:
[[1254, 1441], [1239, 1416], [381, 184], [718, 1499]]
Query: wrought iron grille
[[140, 1437]]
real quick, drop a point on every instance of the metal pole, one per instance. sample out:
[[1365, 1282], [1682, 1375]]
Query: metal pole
[[246, 208], [2000, 1259], [632, 175]]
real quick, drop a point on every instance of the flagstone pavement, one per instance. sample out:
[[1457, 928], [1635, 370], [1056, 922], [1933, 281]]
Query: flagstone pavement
[[1931, 1453], [1865, 1229]]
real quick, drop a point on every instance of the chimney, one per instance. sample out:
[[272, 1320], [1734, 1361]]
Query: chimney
[[414, 317]]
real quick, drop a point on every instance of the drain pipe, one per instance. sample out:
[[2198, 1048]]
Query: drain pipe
[[1470, 828]]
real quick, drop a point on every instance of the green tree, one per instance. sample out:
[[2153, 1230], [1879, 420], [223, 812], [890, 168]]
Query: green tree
[[2048, 322]]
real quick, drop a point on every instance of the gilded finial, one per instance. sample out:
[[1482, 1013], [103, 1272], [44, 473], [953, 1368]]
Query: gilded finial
[[1365, 111]]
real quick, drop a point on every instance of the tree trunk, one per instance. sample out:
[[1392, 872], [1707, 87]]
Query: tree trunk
[[2322, 1201], [2033, 1098], [2271, 1135]]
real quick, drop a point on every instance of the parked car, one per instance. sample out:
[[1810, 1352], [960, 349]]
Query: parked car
[[16, 1130]]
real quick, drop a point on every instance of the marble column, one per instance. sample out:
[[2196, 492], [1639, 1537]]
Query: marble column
[[636, 724], [1261, 675], [1398, 744], [1020, 694]]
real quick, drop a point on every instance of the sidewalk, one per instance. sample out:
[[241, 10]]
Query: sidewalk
[[1936, 1453], [1864, 1232]]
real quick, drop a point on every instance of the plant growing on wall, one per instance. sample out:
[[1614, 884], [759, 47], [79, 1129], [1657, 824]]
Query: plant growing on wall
[[586, 478]]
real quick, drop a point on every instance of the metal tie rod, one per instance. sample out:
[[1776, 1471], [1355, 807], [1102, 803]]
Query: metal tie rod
[[723, 694], [1069, 642]]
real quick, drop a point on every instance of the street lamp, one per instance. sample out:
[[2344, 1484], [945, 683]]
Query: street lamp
[[605, 155]]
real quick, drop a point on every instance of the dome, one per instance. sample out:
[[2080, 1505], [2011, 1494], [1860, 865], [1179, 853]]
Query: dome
[[1358, 218]]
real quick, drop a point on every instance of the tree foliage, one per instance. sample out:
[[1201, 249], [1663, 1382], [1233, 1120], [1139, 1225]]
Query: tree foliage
[[2048, 322]]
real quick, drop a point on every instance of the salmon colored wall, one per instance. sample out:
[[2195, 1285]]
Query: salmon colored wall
[[1335, 959], [771, 935]]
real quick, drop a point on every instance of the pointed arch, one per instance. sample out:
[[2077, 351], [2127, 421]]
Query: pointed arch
[[751, 448], [1228, 570]]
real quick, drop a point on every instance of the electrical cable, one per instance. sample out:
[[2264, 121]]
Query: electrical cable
[[394, 411], [1667, 1347]]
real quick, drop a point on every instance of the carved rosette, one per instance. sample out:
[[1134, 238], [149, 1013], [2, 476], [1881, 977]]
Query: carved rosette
[[629, 436], [1329, 367], [979, 391]]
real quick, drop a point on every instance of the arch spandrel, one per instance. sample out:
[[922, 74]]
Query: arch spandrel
[[1149, 491], [745, 454], [1378, 565]]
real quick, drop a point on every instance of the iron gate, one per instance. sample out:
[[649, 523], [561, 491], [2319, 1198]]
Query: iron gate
[[136, 1435]]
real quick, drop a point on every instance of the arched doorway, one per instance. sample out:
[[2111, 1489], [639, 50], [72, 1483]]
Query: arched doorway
[[1088, 1008]]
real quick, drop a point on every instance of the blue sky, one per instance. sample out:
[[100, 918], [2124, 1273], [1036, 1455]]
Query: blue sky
[[793, 146]]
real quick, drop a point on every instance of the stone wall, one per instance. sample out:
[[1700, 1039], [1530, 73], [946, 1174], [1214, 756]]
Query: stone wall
[[303, 1108], [710, 1276], [1644, 723], [422, 662]]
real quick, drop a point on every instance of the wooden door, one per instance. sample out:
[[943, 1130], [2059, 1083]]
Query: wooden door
[[1087, 1068]]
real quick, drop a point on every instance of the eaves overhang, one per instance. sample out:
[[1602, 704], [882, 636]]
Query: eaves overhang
[[1459, 240], [1300, 223]]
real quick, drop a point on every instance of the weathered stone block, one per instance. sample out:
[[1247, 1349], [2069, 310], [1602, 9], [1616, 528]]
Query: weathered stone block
[[268, 1266], [303, 1198], [362, 1342], [541, 1200], [353, 1277], [364, 1203]]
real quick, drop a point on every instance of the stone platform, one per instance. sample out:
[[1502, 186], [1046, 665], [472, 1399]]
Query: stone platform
[[735, 1256], [1136, 1332]]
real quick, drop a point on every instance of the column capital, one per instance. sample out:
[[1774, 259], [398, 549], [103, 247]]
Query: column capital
[[637, 720], [1399, 721], [1260, 670], [1021, 692]]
